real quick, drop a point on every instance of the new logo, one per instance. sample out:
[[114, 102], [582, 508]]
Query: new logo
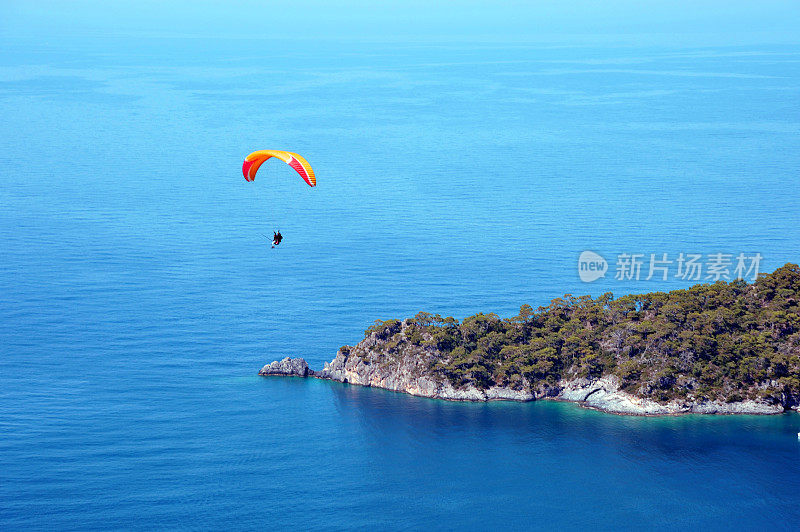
[[591, 266]]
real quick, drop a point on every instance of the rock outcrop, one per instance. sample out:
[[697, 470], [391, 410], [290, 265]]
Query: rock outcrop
[[408, 375], [604, 394], [288, 367]]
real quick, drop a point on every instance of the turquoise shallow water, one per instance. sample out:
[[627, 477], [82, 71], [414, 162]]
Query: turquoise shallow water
[[138, 299]]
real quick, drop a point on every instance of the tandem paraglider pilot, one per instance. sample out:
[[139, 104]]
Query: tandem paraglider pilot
[[254, 161]]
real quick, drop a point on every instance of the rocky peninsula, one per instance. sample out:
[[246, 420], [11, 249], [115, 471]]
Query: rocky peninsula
[[723, 348]]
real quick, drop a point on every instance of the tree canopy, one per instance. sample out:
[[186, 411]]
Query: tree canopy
[[723, 341]]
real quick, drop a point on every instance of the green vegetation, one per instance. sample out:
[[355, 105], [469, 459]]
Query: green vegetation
[[724, 341]]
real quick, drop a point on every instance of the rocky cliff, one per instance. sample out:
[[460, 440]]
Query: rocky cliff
[[379, 363]]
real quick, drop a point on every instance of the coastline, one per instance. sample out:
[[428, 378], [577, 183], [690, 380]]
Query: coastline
[[726, 348], [601, 394]]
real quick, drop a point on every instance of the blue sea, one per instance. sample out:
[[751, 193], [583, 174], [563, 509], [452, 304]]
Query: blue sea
[[139, 297]]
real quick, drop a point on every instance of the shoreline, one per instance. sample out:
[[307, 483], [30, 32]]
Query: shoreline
[[602, 395]]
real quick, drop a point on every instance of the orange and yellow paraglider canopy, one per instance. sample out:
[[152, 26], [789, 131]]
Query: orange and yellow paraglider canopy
[[254, 161]]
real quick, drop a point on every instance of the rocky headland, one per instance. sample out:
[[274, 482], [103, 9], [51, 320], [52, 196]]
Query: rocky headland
[[726, 348]]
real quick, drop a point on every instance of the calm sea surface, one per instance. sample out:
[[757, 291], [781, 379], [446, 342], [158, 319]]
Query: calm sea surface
[[138, 298]]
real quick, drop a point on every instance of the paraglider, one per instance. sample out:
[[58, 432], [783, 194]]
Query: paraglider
[[276, 239], [254, 161]]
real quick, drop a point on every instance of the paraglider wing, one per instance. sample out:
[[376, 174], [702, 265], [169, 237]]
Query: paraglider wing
[[254, 161]]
